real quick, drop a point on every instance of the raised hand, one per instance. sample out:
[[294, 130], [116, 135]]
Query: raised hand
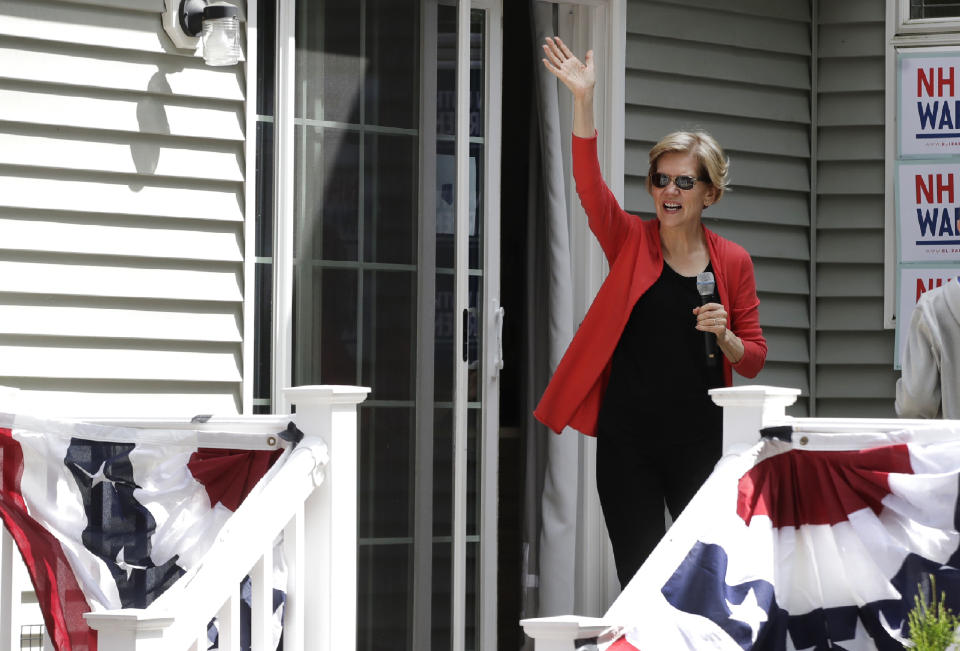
[[578, 76]]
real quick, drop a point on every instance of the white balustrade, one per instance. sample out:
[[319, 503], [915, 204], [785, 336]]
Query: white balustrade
[[310, 499], [746, 410]]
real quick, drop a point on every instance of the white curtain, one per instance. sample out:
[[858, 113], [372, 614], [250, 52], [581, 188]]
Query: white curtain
[[552, 474]]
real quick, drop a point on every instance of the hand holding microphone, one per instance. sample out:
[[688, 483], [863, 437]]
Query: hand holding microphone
[[705, 319]]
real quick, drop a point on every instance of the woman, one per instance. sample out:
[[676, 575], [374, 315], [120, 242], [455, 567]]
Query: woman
[[636, 373]]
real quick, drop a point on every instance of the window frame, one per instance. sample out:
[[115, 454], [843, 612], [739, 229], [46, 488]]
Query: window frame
[[906, 26], [248, 310]]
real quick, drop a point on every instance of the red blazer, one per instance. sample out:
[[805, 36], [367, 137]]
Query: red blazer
[[632, 247]]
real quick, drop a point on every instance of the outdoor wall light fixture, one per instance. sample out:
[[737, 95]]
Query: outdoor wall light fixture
[[216, 24]]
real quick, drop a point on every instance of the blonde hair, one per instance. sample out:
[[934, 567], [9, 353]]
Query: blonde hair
[[714, 165]]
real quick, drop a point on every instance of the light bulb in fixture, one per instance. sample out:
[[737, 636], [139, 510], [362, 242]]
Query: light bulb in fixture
[[221, 35], [216, 26]]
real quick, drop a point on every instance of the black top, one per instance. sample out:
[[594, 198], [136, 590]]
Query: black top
[[660, 361]]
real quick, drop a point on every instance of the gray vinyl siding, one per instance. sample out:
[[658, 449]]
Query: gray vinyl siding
[[854, 353], [740, 70], [121, 214]]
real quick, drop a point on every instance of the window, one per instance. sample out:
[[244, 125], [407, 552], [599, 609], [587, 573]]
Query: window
[[933, 17], [921, 9]]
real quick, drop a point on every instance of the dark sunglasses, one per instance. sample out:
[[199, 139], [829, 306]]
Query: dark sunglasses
[[683, 182]]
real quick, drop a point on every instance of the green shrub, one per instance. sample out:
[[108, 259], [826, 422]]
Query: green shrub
[[933, 627]]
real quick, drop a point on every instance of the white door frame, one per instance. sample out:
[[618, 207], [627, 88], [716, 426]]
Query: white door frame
[[491, 327], [489, 321], [488, 373], [284, 200]]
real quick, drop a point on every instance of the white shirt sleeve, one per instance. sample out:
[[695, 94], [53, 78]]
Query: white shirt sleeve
[[918, 389]]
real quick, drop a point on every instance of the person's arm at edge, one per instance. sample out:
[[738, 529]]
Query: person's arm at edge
[[918, 389], [584, 124], [607, 219]]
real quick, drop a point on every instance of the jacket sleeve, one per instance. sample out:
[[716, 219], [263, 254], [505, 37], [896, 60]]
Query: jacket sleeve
[[608, 221], [745, 320], [918, 389]]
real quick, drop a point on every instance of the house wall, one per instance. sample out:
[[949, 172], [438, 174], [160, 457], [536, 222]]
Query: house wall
[[854, 361], [740, 70], [122, 195], [743, 71], [121, 214]]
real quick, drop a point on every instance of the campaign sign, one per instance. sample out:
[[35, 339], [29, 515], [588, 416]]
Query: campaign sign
[[913, 283], [929, 95], [928, 211]]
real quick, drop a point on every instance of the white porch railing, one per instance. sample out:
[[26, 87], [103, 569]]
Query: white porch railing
[[311, 500], [746, 410]]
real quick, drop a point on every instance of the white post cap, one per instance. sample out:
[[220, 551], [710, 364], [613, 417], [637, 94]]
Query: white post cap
[[748, 409]]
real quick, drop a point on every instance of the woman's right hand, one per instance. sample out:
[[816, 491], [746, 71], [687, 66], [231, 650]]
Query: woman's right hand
[[576, 75]]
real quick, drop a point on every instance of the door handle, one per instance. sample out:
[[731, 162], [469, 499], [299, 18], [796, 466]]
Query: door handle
[[465, 332], [498, 316]]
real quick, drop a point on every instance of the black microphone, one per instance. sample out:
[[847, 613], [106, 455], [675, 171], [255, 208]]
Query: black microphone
[[705, 287]]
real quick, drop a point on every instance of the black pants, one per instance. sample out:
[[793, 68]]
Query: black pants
[[645, 462]]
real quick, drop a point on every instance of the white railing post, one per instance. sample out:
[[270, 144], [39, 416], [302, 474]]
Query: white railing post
[[9, 593], [131, 628], [748, 409], [228, 623], [9, 586], [330, 536], [295, 552], [559, 633], [261, 602]]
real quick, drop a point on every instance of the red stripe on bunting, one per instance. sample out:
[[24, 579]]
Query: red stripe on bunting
[[802, 488], [621, 644], [229, 475], [61, 599]]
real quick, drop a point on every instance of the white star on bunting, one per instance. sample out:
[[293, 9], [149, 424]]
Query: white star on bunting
[[127, 567], [749, 612], [97, 477]]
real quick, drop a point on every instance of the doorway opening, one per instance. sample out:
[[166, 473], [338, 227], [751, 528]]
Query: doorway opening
[[518, 100]]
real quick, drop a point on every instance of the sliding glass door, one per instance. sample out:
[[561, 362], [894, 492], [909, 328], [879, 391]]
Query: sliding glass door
[[392, 282]]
